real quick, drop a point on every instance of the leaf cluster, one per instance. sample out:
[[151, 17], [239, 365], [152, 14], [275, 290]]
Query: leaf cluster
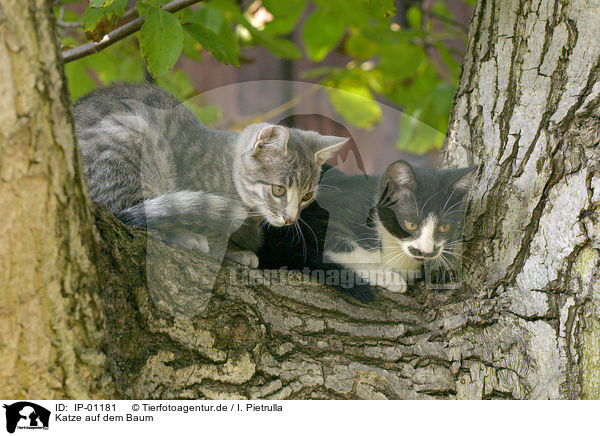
[[402, 57]]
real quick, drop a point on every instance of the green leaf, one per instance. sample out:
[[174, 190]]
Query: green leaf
[[356, 104], [442, 97], [229, 8], [161, 41], [346, 12], [211, 42], [414, 17], [285, 15], [230, 41], [321, 34], [416, 136], [192, 49], [401, 60], [100, 3], [281, 48], [97, 22], [207, 16], [144, 6], [388, 7], [222, 42], [361, 48]]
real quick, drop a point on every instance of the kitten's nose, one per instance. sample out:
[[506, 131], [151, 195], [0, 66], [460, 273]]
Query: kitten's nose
[[416, 252], [288, 221]]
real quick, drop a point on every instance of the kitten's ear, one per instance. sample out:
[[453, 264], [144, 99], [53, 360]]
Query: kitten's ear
[[399, 175], [397, 182], [330, 145], [465, 180], [270, 137]]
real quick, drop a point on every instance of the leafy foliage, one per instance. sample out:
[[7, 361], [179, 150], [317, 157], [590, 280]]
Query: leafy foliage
[[161, 41], [321, 34], [405, 57], [356, 104], [407, 63], [99, 20]]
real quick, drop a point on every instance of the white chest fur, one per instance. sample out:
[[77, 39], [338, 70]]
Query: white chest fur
[[358, 258], [394, 252], [392, 256]]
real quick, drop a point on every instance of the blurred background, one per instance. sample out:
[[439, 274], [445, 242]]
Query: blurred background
[[383, 72]]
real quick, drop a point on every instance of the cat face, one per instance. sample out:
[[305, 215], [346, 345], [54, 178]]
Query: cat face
[[280, 170], [421, 211]]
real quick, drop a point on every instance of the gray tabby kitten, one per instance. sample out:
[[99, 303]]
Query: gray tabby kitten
[[152, 162]]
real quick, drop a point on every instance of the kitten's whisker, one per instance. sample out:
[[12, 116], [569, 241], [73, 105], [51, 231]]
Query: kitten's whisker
[[330, 187], [261, 227], [425, 204], [460, 256], [397, 255], [443, 263], [314, 235], [416, 204], [457, 243], [454, 211], [445, 212], [448, 199], [297, 226]]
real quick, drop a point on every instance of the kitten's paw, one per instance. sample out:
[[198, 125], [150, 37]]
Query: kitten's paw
[[246, 258], [394, 282], [201, 243], [193, 241]]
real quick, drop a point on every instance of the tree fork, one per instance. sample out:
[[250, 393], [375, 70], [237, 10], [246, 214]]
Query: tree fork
[[86, 313], [50, 322]]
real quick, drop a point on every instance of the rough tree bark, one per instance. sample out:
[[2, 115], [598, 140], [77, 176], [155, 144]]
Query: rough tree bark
[[527, 107], [50, 324], [525, 324]]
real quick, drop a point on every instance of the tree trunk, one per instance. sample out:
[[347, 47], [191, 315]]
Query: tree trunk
[[50, 323], [527, 109], [524, 325]]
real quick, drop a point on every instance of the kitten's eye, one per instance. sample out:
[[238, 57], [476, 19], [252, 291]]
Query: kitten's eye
[[411, 226], [444, 228], [278, 191], [307, 196]]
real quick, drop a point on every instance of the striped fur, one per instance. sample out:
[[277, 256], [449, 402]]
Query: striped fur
[[153, 163]]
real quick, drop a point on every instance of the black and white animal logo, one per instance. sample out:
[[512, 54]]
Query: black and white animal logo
[[26, 415]]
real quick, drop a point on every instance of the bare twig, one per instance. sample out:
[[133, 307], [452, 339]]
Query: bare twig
[[65, 24], [440, 17], [119, 33], [68, 24]]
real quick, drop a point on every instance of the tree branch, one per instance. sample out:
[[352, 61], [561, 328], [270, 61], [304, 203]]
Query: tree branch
[[66, 24], [119, 33], [172, 332]]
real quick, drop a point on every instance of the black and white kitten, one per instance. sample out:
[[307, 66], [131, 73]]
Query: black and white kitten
[[383, 228], [152, 162]]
